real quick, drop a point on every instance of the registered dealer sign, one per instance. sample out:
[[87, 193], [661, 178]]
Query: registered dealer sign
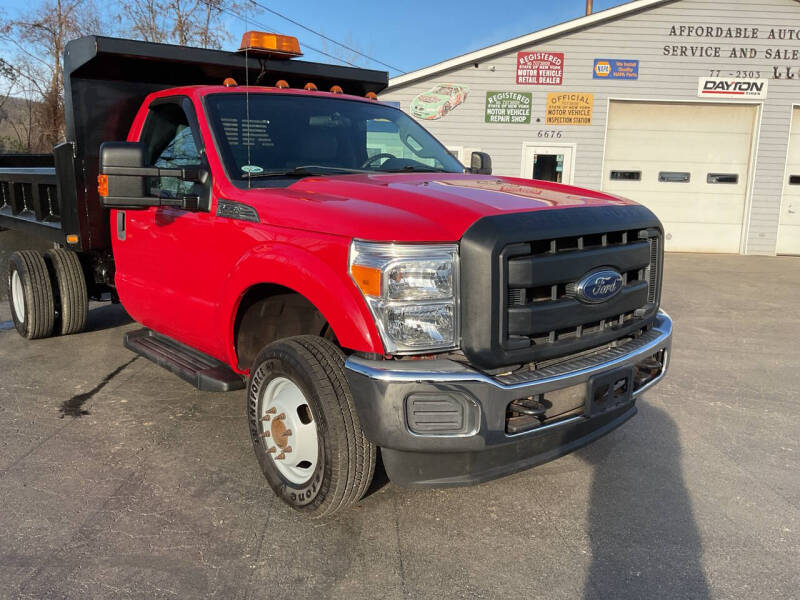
[[718, 87]]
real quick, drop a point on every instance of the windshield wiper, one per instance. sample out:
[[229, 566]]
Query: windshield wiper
[[412, 169], [302, 171]]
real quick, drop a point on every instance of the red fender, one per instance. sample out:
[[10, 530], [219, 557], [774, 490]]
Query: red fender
[[325, 283]]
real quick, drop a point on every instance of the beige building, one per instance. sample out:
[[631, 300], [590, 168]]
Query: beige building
[[691, 107]]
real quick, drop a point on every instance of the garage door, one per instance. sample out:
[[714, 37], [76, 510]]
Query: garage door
[[688, 163], [789, 227]]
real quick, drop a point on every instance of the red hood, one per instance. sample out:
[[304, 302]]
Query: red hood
[[429, 207]]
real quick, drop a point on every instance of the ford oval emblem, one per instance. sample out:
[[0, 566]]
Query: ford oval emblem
[[598, 286]]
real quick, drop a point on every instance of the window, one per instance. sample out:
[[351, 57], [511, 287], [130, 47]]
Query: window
[[674, 177], [723, 178], [321, 135], [170, 144], [626, 175]]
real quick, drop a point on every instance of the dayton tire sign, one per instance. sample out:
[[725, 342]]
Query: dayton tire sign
[[717, 87]]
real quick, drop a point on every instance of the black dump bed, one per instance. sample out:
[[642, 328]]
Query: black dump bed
[[105, 81]]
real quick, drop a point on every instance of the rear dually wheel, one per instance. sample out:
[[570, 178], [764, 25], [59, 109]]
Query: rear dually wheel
[[30, 295]]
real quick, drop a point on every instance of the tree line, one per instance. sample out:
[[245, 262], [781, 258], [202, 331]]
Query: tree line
[[31, 74]]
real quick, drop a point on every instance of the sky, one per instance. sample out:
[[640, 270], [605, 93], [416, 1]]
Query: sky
[[407, 35]]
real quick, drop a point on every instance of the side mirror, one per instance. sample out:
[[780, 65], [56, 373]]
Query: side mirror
[[122, 179], [480, 163]]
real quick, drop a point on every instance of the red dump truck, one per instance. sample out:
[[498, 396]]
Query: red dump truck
[[275, 228]]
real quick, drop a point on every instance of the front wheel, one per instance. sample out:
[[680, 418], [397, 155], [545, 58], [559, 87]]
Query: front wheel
[[306, 434]]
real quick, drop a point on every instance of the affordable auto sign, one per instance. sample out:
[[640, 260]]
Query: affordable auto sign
[[717, 87]]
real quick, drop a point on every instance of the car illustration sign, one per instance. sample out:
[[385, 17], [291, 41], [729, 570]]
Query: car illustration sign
[[438, 101], [540, 68], [615, 68], [508, 107]]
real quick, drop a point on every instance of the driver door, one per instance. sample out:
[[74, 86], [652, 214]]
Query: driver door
[[166, 267]]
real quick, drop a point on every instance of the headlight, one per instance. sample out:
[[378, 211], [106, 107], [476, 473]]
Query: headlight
[[412, 292]]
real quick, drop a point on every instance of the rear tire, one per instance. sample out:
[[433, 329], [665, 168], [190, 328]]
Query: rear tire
[[30, 295], [71, 295], [308, 371]]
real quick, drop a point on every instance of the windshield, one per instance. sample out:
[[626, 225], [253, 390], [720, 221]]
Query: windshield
[[292, 136]]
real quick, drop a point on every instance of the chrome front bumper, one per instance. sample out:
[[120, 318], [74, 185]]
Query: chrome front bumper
[[478, 447]]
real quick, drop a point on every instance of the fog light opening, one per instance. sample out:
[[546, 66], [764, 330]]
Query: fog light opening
[[648, 370]]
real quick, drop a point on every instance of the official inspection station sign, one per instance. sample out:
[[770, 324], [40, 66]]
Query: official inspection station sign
[[569, 108], [509, 107], [540, 68], [615, 68]]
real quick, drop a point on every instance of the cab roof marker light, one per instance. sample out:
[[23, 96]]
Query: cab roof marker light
[[270, 44], [282, 84], [371, 95], [229, 82], [310, 87], [336, 89]]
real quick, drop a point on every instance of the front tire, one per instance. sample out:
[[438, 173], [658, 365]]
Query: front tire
[[324, 463], [30, 295]]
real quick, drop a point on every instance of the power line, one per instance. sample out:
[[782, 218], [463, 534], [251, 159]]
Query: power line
[[325, 37], [267, 27]]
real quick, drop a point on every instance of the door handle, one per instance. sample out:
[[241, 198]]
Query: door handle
[[121, 225]]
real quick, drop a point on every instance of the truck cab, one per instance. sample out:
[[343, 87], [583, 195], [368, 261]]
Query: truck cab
[[295, 237]]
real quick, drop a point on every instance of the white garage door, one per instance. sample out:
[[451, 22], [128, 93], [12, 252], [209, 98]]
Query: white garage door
[[789, 227], [688, 163]]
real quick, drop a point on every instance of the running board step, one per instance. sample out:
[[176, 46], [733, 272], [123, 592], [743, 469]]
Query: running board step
[[202, 371]]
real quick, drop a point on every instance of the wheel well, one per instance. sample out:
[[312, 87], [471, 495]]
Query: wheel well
[[269, 312]]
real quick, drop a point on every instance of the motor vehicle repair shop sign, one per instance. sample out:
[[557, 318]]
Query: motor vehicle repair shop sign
[[508, 107]]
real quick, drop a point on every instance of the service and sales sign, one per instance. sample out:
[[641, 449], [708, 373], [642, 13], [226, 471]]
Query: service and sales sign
[[573, 108], [615, 68], [540, 68], [508, 107], [721, 87]]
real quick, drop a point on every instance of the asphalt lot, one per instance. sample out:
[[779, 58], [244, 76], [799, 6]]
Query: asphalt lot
[[119, 480]]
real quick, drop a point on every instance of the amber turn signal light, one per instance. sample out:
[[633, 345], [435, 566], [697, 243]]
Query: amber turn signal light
[[278, 46], [102, 185], [371, 95], [368, 279], [282, 84], [229, 82], [311, 87], [337, 89]]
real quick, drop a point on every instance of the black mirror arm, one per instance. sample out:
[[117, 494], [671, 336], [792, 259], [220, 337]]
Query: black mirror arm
[[198, 174]]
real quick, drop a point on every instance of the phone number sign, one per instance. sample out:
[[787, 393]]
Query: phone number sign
[[540, 68], [508, 107]]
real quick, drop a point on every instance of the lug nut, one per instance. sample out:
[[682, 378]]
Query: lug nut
[[265, 418], [271, 450], [287, 449], [271, 411], [266, 434], [280, 456], [281, 417]]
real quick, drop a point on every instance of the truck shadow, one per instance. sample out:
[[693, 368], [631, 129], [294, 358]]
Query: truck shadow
[[108, 316], [644, 540]]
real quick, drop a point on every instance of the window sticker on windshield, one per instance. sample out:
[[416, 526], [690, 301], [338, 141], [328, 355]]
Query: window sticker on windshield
[[252, 169]]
